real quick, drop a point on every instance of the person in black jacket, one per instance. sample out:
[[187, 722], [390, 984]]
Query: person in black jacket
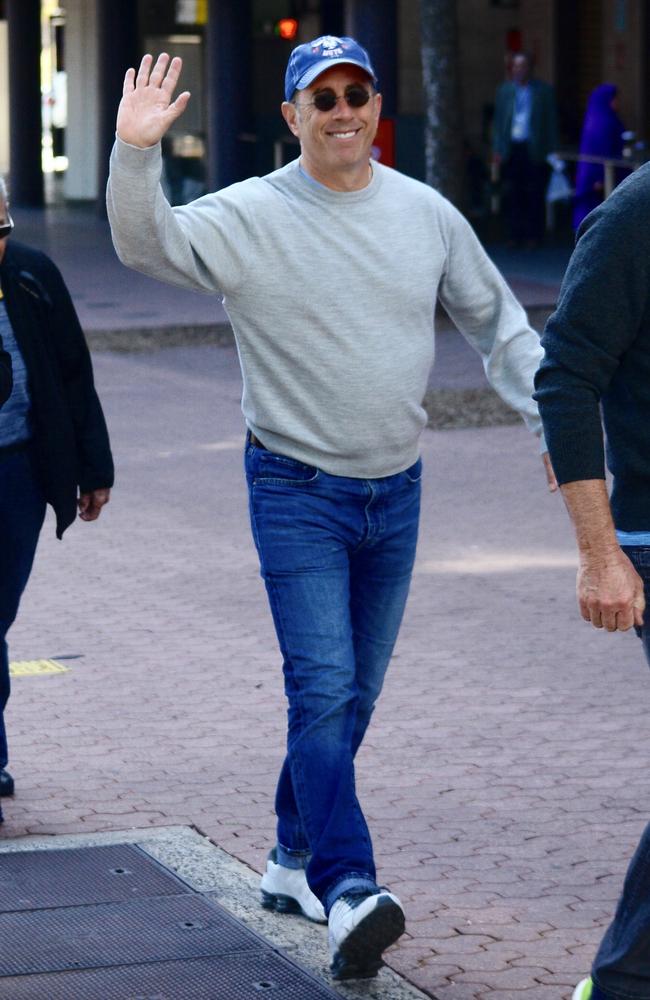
[[54, 446]]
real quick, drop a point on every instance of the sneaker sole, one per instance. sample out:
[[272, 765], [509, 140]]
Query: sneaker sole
[[284, 904], [359, 957]]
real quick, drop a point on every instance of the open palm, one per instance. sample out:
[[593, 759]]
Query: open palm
[[147, 110]]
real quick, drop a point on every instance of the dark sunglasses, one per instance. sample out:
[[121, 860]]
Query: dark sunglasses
[[325, 100]]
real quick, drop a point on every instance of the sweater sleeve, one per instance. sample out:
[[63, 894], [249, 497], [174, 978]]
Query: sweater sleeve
[[602, 302], [203, 246], [488, 315]]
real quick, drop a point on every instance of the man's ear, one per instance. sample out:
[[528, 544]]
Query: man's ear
[[290, 116]]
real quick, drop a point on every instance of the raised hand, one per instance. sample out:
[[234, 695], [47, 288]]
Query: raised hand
[[147, 110]]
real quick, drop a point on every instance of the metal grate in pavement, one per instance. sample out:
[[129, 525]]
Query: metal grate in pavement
[[257, 976], [137, 931], [34, 880], [112, 923]]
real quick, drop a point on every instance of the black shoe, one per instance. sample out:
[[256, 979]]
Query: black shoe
[[6, 784]]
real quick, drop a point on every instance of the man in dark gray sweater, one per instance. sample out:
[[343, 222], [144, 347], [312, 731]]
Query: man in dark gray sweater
[[597, 357]]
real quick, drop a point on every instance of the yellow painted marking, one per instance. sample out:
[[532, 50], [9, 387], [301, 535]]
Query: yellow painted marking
[[29, 668]]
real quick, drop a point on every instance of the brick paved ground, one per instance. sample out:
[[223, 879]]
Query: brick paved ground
[[504, 776]]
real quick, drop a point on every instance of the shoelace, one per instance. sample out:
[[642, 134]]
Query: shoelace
[[355, 896]]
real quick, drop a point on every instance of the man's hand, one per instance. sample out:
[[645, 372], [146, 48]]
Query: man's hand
[[610, 592], [146, 110], [550, 475], [90, 504]]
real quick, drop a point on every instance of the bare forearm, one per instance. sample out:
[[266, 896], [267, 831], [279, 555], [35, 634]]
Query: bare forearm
[[609, 590], [588, 505]]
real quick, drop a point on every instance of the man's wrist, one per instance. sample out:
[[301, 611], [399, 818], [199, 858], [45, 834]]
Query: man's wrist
[[134, 145], [600, 555]]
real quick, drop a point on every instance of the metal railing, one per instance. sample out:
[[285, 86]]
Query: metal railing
[[610, 166]]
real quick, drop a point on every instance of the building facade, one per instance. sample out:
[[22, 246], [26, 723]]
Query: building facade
[[55, 139]]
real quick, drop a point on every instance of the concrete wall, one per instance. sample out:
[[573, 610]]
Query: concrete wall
[[538, 35], [483, 31], [4, 100], [624, 59], [81, 134], [409, 77]]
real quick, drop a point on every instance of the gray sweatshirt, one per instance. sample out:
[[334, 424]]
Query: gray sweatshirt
[[331, 297]]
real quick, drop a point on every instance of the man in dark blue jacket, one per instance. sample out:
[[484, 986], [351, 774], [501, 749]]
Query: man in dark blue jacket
[[597, 357], [54, 446]]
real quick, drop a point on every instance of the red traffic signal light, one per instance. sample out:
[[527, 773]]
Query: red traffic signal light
[[287, 27]]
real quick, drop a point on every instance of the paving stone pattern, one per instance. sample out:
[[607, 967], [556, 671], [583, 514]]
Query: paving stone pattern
[[504, 775]]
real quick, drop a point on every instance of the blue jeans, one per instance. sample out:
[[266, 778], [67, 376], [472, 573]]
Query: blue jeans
[[621, 969], [22, 509], [336, 555]]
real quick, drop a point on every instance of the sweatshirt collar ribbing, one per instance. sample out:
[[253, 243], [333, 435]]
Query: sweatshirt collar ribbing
[[321, 193]]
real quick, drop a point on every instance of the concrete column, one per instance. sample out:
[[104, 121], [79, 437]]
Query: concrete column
[[25, 139], [374, 24], [4, 101], [117, 42], [332, 17], [80, 182], [229, 73]]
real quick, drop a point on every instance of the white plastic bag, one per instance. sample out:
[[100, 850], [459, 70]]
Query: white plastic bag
[[559, 187]]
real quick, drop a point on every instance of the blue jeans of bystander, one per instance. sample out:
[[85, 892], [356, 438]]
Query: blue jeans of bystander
[[621, 969], [336, 554], [22, 509]]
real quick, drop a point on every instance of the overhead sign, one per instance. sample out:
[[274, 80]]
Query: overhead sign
[[191, 11]]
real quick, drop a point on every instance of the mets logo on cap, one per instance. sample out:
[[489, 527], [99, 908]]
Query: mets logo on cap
[[328, 45]]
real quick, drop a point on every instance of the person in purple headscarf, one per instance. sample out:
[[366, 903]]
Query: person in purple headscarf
[[602, 135]]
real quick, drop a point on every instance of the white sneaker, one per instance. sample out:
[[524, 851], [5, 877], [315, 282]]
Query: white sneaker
[[582, 990], [286, 891], [361, 927]]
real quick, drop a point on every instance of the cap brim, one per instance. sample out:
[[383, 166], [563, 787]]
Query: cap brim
[[320, 67]]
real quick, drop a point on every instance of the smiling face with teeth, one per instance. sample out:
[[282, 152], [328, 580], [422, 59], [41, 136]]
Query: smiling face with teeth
[[335, 145]]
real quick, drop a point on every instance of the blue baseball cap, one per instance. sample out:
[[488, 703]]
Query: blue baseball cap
[[308, 61]]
